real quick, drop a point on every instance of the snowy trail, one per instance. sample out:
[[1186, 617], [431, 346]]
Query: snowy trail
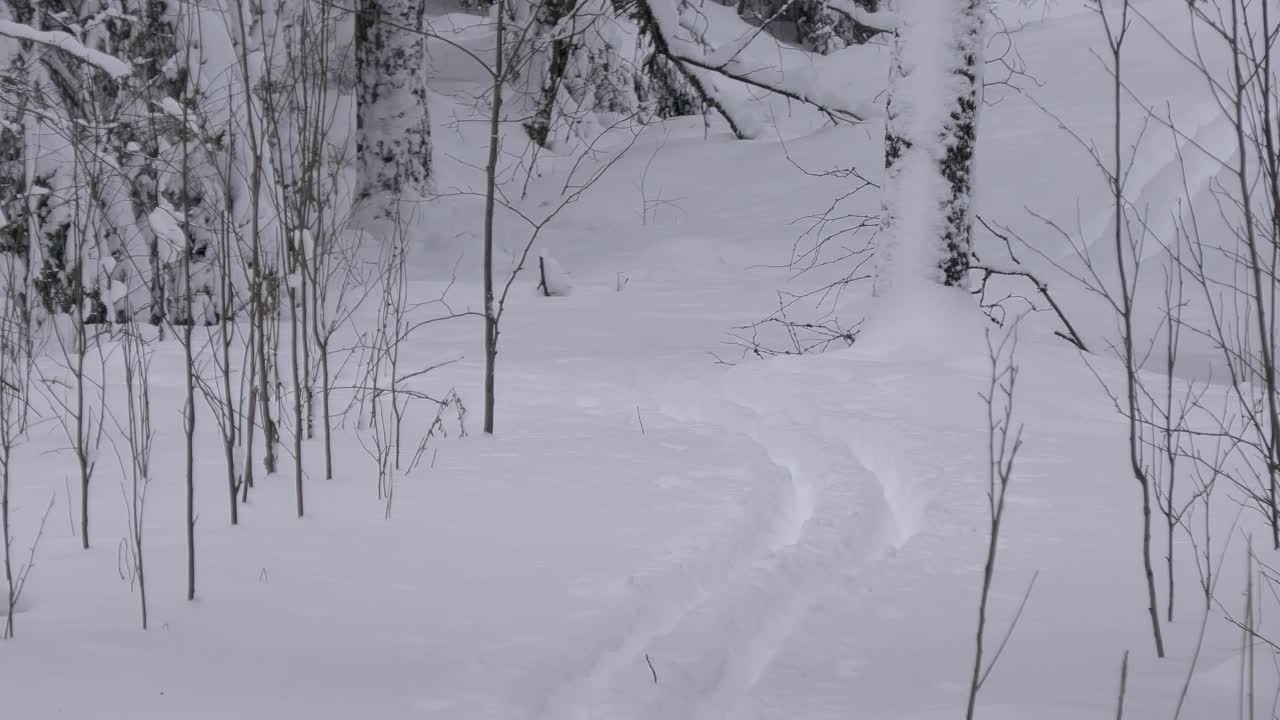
[[757, 581], [714, 624], [846, 523], [687, 582]]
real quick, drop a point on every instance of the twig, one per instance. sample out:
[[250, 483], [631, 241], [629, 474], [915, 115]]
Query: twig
[[1124, 677], [995, 657]]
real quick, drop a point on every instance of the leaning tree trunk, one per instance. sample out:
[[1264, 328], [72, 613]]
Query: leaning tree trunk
[[393, 129], [548, 15], [935, 88], [585, 73]]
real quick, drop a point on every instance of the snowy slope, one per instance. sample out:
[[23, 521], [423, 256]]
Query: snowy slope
[[651, 533]]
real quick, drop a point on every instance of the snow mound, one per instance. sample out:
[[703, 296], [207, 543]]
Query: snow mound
[[553, 280]]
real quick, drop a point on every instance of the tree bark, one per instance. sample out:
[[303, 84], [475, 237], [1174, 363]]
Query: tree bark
[[929, 145], [491, 171], [549, 14], [393, 128]]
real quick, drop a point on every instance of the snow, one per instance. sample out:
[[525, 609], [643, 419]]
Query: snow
[[167, 227], [552, 277], [113, 66], [653, 534]]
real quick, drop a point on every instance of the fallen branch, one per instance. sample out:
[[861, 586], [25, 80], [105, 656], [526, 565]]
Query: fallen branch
[[1070, 335]]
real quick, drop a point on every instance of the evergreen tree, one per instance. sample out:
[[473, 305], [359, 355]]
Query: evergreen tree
[[812, 24]]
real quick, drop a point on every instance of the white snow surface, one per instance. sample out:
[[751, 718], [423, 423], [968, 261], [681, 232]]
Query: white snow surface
[[651, 533], [553, 278]]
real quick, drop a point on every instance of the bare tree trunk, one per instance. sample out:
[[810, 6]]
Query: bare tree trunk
[[229, 422], [139, 436], [246, 437], [230, 401], [1004, 441], [1125, 271], [1174, 421], [1242, 78], [490, 175], [308, 395], [325, 386], [82, 458], [190, 431], [6, 456], [189, 414], [548, 15], [1124, 681], [259, 397], [297, 395]]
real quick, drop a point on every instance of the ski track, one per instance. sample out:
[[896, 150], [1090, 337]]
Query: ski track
[[695, 580], [1157, 195], [827, 514], [843, 528]]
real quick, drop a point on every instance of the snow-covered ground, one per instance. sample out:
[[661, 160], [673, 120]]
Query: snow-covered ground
[[653, 533]]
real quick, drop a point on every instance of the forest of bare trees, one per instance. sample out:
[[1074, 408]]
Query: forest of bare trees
[[245, 193], [178, 173]]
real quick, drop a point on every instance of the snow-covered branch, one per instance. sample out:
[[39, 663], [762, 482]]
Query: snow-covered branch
[[663, 19], [794, 89], [881, 20], [111, 65]]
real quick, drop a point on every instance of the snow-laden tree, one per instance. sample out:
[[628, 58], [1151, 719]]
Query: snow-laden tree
[[60, 174], [553, 30], [142, 141], [581, 64], [393, 128], [935, 88], [587, 63], [678, 31], [15, 225], [107, 143], [812, 24]]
